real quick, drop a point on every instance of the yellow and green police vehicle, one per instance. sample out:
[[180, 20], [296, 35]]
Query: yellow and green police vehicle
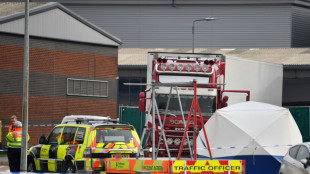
[[81, 143]]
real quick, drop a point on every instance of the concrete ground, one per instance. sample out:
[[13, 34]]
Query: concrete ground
[[4, 165], [4, 161], [4, 169]]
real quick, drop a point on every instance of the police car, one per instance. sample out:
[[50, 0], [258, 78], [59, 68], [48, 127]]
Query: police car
[[81, 143]]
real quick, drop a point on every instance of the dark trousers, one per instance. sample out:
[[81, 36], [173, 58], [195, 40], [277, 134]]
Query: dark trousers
[[14, 159]]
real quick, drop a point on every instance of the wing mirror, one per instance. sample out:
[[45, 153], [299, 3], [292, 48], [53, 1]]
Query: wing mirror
[[224, 101], [304, 162], [142, 101], [42, 139]]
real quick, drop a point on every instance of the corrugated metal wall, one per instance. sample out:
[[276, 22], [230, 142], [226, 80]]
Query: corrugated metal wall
[[164, 26], [301, 26]]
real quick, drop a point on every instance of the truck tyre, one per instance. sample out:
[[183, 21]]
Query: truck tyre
[[69, 167], [31, 167]]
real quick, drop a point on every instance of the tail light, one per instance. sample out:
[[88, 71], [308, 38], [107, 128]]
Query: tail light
[[206, 62], [164, 60]]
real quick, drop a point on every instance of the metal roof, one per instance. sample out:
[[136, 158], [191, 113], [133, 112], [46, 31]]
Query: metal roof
[[53, 20], [286, 56], [8, 8]]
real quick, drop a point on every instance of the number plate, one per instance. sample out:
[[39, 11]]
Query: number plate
[[120, 155]]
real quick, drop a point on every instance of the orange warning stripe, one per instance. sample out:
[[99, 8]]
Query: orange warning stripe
[[166, 166], [209, 166]]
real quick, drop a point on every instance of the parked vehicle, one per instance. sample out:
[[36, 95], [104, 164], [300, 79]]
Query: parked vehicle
[[218, 81], [296, 161], [81, 143]]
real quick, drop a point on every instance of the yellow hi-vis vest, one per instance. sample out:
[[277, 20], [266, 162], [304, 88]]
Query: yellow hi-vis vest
[[14, 139]]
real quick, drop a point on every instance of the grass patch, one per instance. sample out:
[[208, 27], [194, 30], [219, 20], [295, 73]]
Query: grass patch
[[3, 155]]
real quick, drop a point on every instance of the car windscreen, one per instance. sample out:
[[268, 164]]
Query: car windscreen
[[207, 104], [113, 135]]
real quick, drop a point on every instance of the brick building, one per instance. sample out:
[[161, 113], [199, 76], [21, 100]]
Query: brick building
[[72, 64]]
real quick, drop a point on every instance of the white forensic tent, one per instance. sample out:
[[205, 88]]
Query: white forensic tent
[[256, 132]]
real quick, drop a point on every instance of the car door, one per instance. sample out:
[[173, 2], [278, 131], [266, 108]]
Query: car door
[[303, 153], [66, 143], [48, 151], [289, 160], [78, 142], [77, 148]]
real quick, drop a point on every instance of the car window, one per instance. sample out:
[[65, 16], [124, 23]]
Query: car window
[[293, 151], [54, 135], [68, 135], [303, 153], [79, 138], [113, 135]]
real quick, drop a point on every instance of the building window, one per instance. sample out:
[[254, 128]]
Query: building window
[[82, 87]]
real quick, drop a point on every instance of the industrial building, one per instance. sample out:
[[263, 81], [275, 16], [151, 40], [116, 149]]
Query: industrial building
[[274, 31], [168, 23], [261, 30], [73, 67]]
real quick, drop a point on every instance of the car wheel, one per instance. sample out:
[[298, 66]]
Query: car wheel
[[70, 168], [31, 167]]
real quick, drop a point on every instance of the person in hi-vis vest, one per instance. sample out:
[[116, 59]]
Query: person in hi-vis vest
[[13, 121], [14, 143]]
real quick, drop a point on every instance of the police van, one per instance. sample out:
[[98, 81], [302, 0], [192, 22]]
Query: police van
[[81, 143]]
